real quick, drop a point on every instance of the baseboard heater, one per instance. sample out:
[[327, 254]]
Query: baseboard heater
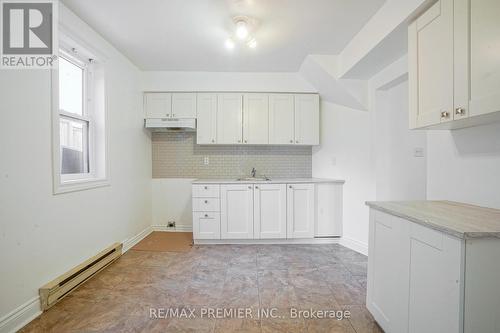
[[57, 289]]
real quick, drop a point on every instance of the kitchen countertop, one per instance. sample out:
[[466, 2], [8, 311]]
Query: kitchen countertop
[[454, 218], [272, 181]]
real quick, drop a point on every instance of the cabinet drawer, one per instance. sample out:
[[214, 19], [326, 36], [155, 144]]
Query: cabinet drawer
[[206, 204], [206, 225], [206, 191]]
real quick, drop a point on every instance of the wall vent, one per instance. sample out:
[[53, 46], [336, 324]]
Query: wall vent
[[58, 288]]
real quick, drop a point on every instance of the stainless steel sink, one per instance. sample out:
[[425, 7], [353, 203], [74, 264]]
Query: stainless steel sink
[[250, 179]]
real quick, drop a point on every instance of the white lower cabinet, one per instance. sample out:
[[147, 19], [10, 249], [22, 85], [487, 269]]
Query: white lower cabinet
[[388, 274], [300, 211], [236, 211], [415, 277], [435, 277], [269, 211], [266, 211]]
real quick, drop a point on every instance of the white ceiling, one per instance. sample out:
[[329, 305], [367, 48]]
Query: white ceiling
[[189, 35]]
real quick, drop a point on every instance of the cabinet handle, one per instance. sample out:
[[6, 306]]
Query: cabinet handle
[[460, 111], [206, 201], [206, 215], [291, 141], [239, 141], [290, 186], [250, 187], [173, 114], [213, 140], [296, 141], [245, 141], [257, 187], [206, 187], [445, 114]]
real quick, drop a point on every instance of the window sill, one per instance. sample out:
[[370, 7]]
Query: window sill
[[80, 185]]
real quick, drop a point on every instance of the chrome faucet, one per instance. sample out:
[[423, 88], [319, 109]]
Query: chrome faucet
[[253, 172]]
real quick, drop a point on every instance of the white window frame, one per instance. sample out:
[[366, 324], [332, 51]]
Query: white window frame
[[79, 54], [86, 116]]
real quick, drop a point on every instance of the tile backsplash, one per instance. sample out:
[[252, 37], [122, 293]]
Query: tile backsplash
[[176, 155]]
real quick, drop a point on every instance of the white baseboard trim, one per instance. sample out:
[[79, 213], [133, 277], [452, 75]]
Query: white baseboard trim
[[20, 317], [268, 241], [355, 245], [179, 228], [129, 243]]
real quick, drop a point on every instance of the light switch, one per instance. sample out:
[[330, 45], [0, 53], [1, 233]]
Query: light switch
[[206, 160], [418, 152]]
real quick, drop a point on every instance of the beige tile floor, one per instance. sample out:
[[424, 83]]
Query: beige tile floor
[[278, 277]]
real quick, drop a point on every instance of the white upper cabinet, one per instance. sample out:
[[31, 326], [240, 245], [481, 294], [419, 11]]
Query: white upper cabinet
[[206, 114], [256, 118], [281, 119], [307, 119], [229, 118], [454, 67], [158, 105], [170, 105], [183, 105], [269, 211], [242, 118], [477, 36], [431, 69]]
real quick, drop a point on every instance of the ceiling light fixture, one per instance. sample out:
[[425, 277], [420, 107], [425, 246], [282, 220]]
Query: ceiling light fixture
[[242, 33], [241, 30]]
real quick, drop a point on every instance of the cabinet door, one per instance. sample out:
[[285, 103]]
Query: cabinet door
[[158, 105], [281, 119], [307, 119], [300, 211], [237, 211], [184, 105], [328, 222], [430, 52], [229, 118], [477, 31], [435, 281], [256, 119], [206, 119], [387, 290], [269, 211], [206, 225]]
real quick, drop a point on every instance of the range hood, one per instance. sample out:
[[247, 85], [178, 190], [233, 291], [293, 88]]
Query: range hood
[[164, 124]]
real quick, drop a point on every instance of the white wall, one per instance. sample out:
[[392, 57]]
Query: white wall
[[172, 202], [372, 151], [44, 235], [346, 153], [224, 81], [464, 165], [399, 174]]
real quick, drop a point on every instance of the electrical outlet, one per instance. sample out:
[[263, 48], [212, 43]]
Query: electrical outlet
[[206, 160], [171, 224]]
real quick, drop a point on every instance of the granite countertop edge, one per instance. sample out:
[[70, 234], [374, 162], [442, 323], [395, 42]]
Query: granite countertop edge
[[272, 181], [433, 225]]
